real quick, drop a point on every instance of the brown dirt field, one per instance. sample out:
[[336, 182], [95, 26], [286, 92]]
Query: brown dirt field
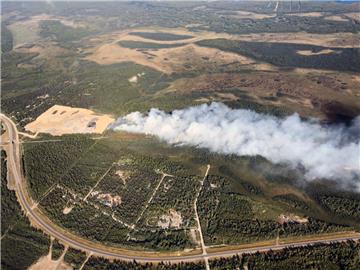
[[308, 14], [167, 60], [354, 16], [304, 93], [253, 15], [292, 218], [336, 18], [47, 263], [59, 120], [308, 52], [105, 50]]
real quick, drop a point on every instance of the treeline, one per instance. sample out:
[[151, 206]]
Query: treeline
[[74, 257], [6, 39], [321, 256]]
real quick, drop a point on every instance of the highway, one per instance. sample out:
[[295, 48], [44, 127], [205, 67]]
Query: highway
[[96, 249]]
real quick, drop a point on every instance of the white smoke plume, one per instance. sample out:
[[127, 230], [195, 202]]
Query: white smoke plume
[[330, 152]]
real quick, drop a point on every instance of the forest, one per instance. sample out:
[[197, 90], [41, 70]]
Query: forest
[[287, 54]]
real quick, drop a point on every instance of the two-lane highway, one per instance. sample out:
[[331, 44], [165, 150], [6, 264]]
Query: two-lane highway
[[14, 164]]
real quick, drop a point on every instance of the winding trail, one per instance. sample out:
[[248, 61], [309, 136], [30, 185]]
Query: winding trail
[[38, 219]]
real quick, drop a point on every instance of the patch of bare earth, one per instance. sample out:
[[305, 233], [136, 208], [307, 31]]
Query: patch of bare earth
[[336, 18], [308, 14], [46, 262], [291, 218], [252, 15], [171, 220], [59, 120], [124, 175], [67, 209], [355, 16], [106, 198], [309, 52]]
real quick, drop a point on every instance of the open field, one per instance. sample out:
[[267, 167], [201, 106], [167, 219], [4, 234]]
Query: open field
[[59, 120], [180, 58]]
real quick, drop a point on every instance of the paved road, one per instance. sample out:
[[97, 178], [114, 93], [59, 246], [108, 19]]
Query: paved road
[[13, 159]]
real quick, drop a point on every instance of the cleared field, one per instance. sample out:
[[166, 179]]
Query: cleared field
[[251, 15], [336, 18], [309, 52], [167, 60], [59, 120], [309, 14], [354, 16], [28, 31], [24, 32]]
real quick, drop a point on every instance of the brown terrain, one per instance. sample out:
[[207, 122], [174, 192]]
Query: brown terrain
[[59, 120], [308, 94]]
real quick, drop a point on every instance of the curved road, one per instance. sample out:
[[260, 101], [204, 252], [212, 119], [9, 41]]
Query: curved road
[[13, 159]]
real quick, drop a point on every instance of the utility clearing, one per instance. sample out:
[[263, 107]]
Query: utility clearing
[[59, 120]]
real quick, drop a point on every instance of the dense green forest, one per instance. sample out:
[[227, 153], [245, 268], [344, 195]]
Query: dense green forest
[[321, 257], [6, 39]]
